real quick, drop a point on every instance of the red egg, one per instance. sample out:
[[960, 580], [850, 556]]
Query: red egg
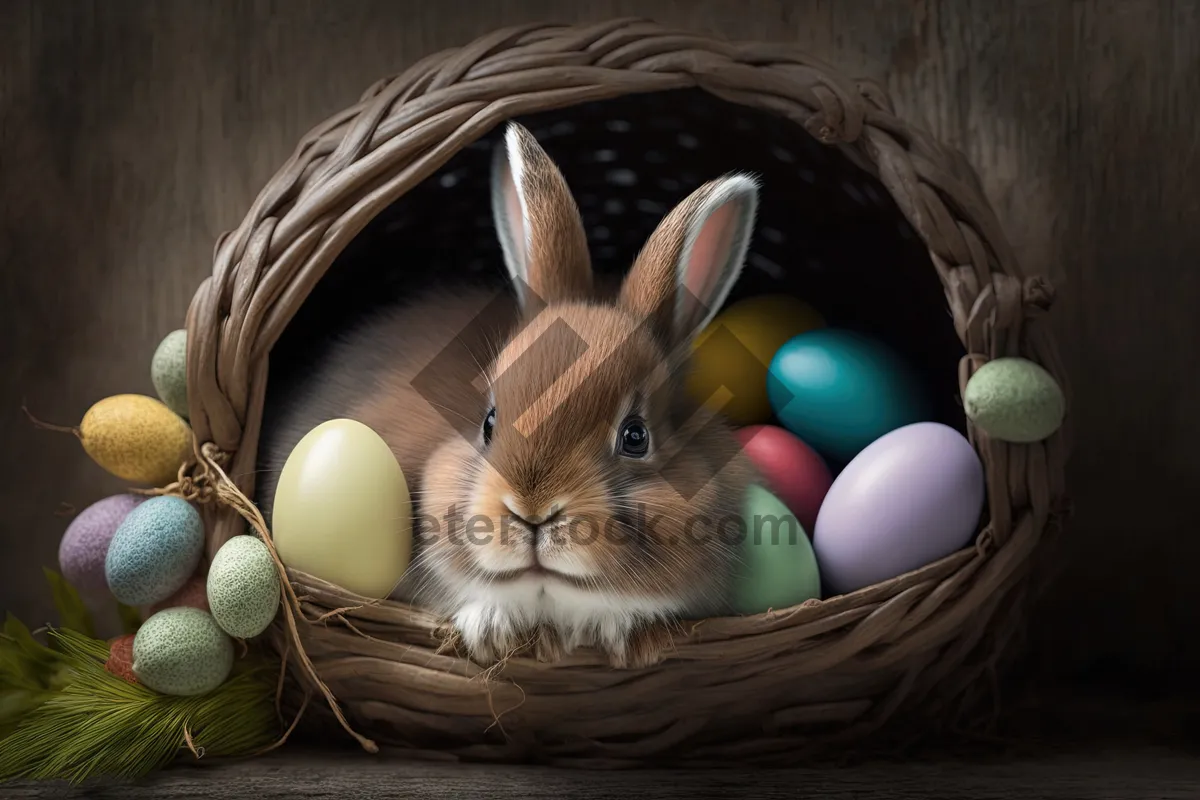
[[120, 658], [791, 469]]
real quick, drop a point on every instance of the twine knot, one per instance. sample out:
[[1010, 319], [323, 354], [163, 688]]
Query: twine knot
[[203, 479], [195, 481]]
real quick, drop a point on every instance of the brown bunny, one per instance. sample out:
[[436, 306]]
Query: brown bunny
[[570, 494]]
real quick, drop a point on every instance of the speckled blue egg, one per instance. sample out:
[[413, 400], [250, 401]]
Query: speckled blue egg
[[154, 551], [84, 545], [840, 390]]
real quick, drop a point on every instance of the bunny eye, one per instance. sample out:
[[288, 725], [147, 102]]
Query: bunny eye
[[489, 422], [634, 440]]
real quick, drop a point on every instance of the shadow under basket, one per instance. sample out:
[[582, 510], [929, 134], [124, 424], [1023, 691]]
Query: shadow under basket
[[866, 218]]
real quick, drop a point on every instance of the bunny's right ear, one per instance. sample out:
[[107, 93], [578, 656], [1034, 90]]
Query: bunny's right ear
[[538, 223]]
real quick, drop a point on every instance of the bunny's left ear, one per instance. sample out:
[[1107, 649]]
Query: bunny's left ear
[[538, 223], [694, 257]]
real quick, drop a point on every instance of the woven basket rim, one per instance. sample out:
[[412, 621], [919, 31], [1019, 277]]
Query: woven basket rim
[[345, 170]]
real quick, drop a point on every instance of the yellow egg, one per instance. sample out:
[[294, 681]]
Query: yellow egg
[[735, 350], [136, 438], [342, 510]]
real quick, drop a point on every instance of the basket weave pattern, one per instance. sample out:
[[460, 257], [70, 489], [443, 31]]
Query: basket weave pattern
[[738, 688]]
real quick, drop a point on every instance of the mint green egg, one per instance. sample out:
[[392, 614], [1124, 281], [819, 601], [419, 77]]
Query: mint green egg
[[1014, 400], [168, 372], [778, 568], [243, 587], [182, 651]]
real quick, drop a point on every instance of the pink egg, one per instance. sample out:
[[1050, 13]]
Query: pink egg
[[791, 469]]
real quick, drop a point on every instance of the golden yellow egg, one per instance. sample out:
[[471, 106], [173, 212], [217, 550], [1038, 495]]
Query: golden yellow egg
[[136, 438], [342, 510], [735, 350]]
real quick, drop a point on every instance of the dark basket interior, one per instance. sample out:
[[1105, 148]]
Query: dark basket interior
[[828, 232]]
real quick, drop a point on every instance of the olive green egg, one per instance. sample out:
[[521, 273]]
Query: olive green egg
[[1014, 400]]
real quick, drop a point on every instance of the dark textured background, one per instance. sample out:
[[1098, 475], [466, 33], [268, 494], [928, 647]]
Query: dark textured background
[[133, 133]]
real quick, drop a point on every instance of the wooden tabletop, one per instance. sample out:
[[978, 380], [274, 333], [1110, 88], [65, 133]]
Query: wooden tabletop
[[1137, 773]]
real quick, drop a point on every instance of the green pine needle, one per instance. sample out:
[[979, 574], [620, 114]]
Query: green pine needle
[[100, 724], [30, 673]]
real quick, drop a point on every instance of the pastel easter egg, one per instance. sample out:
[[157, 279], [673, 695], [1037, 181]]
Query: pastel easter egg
[[136, 438], [183, 652], [193, 594], [839, 391], [1014, 400], [84, 545], [909, 498], [792, 470], [736, 347], [168, 372], [154, 551], [778, 568], [243, 587], [342, 510]]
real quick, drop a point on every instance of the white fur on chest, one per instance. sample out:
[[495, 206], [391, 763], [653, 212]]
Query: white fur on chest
[[581, 618]]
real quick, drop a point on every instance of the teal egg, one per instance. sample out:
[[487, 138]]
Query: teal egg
[[778, 568], [155, 550], [839, 391]]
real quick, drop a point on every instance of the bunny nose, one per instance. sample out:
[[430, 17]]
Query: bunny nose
[[532, 520]]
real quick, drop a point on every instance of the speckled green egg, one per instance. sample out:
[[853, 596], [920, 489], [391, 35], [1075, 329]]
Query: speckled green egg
[[155, 550], [243, 587], [168, 371], [1014, 400], [182, 651]]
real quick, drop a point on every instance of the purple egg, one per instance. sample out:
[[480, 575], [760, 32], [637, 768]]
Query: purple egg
[[84, 546], [909, 498]]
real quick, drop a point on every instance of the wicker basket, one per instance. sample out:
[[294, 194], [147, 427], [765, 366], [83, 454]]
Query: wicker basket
[[863, 215]]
